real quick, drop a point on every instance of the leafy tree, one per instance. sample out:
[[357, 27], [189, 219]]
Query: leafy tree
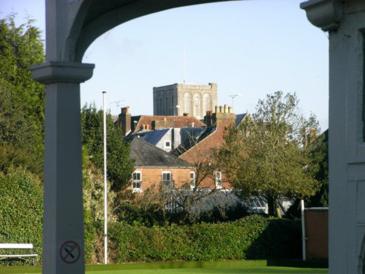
[[267, 156], [21, 98], [120, 166]]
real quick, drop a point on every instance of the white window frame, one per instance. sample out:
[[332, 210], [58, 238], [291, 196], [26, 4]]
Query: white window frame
[[192, 180], [162, 179], [218, 179], [137, 189]]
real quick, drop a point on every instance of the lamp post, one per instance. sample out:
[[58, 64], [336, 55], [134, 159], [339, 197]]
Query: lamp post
[[105, 187]]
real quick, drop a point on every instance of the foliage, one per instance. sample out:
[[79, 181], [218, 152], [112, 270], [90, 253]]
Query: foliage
[[120, 166], [318, 153], [252, 237], [93, 191], [21, 209], [21, 104], [266, 156], [153, 214]]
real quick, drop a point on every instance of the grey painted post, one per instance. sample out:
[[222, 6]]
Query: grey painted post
[[345, 22], [63, 241]]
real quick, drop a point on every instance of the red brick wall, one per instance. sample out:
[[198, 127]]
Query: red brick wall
[[152, 176]]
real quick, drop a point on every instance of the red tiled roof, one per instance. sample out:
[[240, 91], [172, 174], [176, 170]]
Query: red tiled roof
[[161, 121]]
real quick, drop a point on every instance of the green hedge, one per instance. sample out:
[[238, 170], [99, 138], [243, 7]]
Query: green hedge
[[21, 209], [21, 213], [253, 237]]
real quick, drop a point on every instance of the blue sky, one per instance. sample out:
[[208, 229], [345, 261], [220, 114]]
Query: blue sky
[[250, 48]]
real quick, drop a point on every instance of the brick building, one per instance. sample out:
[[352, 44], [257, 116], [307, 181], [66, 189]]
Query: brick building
[[211, 139], [167, 150], [155, 168]]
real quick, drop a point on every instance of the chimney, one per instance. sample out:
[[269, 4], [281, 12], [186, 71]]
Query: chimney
[[125, 120], [208, 118]]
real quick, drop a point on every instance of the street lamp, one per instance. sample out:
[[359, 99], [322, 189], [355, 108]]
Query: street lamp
[[105, 187]]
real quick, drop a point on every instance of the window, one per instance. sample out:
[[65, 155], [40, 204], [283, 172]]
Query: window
[[187, 103], [218, 179], [192, 180], [166, 178], [167, 144], [136, 181]]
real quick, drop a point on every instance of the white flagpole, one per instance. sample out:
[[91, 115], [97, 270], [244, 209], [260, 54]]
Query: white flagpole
[[105, 187]]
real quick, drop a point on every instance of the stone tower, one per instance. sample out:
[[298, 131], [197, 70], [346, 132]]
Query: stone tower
[[180, 99]]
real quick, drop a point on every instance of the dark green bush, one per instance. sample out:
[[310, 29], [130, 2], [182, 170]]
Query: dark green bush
[[253, 237], [154, 214]]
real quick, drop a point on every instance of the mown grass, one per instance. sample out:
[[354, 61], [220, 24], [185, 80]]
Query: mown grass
[[221, 267]]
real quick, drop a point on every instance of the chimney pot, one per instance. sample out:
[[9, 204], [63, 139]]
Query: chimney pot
[[125, 110]]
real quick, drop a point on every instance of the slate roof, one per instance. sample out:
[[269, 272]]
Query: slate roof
[[239, 118], [152, 137], [146, 154], [192, 136]]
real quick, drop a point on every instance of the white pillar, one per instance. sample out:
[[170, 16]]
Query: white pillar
[[63, 237], [304, 240], [345, 22]]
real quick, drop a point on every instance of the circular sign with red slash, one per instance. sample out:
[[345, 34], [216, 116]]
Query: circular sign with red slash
[[70, 252]]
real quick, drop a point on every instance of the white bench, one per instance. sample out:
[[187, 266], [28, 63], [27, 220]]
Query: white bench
[[14, 246]]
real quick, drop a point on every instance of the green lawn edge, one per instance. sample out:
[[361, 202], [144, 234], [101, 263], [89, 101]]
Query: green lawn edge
[[159, 265]]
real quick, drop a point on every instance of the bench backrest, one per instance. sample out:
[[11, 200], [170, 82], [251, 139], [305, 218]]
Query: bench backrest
[[16, 246]]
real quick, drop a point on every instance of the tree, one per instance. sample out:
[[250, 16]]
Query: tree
[[318, 153], [21, 98], [266, 155], [120, 166]]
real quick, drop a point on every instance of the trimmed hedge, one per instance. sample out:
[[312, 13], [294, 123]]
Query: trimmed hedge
[[21, 208], [253, 237], [21, 213]]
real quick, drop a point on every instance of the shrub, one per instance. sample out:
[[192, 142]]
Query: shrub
[[253, 237]]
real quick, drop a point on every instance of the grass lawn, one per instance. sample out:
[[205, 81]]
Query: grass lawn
[[222, 267]]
